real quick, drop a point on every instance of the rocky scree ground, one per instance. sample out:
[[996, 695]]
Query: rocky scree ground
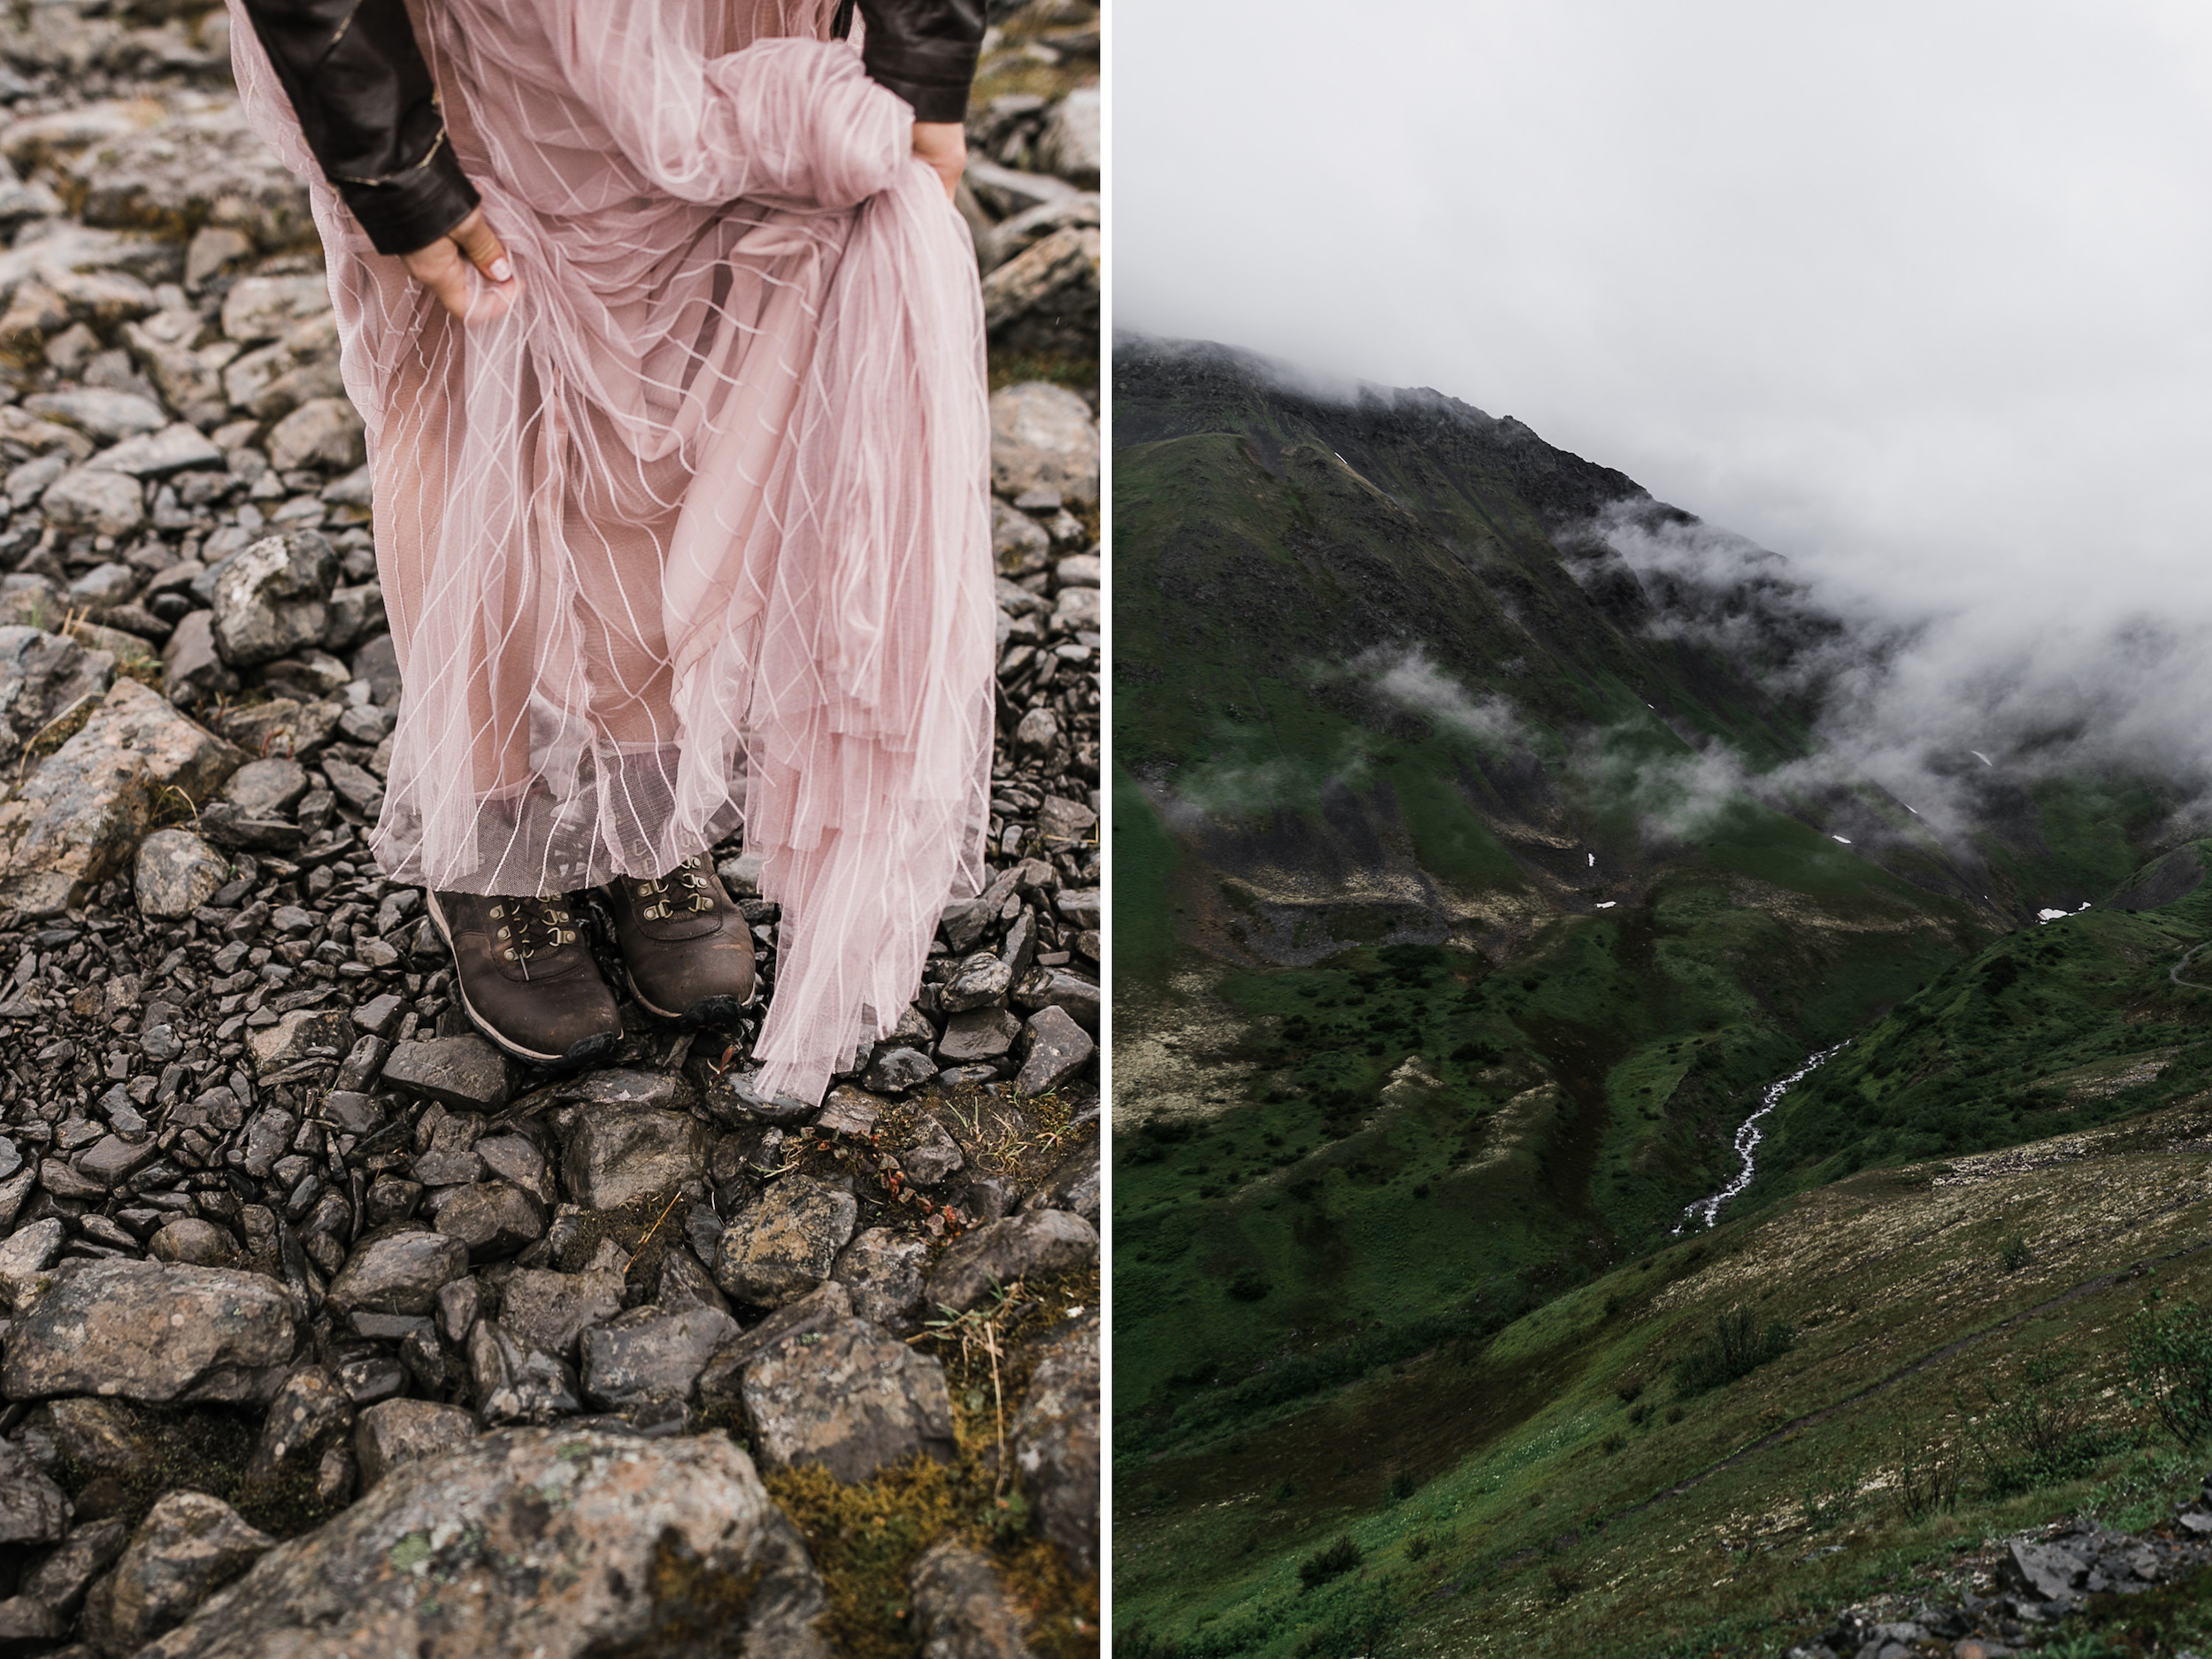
[[315, 1311]]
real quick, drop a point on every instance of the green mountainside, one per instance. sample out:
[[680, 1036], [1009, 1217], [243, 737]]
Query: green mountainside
[[1445, 977]]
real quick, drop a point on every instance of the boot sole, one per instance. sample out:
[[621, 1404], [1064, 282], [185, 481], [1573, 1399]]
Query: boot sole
[[708, 1010], [581, 1052]]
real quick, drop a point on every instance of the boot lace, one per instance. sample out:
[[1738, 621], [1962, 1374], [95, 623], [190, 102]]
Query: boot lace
[[686, 886], [531, 928]]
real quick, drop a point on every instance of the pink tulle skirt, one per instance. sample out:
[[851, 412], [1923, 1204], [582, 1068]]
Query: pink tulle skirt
[[697, 535]]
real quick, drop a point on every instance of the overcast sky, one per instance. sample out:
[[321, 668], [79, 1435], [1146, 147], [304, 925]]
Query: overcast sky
[[1917, 294]]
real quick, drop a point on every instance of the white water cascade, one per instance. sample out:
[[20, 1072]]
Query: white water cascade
[[1748, 1136]]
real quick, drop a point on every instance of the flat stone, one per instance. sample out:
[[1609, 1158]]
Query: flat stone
[[1043, 437], [849, 1398], [883, 1272], [463, 1073], [173, 449], [548, 1310], [1071, 146], [649, 1541], [62, 1578], [112, 1160], [150, 1331], [266, 789], [273, 597], [847, 1111], [977, 982], [392, 1433], [400, 1272], [259, 309], [978, 1035], [205, 167], [175, 873], [1056, 1048], [960, 1609], [516, 1159], [650, 1355], [100, 1435], [1036, 734], [1055, 1438], [188, 1545], [323, 432], [785, 1243], [1057, 988], [896, 1071], [78, 819], [613, 1156], [1079, 906], [93, 500], [102, 415], [930, 1154], [380, 1016], [494, 1218], [1041, 1242], [25, 1254], [43, 676], [305, 1033], [192, 670]]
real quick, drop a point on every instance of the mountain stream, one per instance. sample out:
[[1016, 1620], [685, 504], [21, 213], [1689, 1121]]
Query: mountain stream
[[1747, 1137]]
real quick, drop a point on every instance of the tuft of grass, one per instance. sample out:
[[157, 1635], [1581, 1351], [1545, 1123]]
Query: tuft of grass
[[1332, 1560], [2013, 1254]]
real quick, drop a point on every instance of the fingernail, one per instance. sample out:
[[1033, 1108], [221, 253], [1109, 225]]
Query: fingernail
[[500, 271]]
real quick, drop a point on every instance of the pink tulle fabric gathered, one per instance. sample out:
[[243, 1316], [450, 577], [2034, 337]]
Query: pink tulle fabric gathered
[[697, 535]]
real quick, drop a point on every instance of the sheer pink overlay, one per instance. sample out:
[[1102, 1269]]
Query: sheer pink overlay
[[698, 532]]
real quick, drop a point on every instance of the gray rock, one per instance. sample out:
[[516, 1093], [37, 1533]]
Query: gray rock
[[1079, 906], [930, 1154], [883, 1272], [1055, 988], [513, 1159], [25, 1255], [960, 1610], [493, 1218], [517, 1384], [192, 670], [465, 1072], [206, 167], [661, 1546], [977, 1036], [400, 1272], [310, 1413], [394, 1433], [848, 1397], [686, 1283], [1072, 1187], [847, 1111], [896, 1071], [150, 1331], [785, 1243], [323, 432], [977, 982], [100, 1435], [188, 1545], [265, 308], [111, 1159], [104, 585], [2043, 1571], [158, 454], [1075, 610], [1056, 1048], [1045, 298], [613, 1156], [1041, 1242], [304, 1033], [1007, 192], [176, 872], [380, 1016], [94, 502], [62, 1578], [1070, 146], [265, 788], [102, 415], [194, 1242], [1043, 437], [650, 1355], [273, 598], [43, 676], [1055, 1438], [548, 1310], [1036, 733], [28, 1625], [33, 1510]]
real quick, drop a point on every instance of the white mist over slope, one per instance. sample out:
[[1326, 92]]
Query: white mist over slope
[[1919, 296]]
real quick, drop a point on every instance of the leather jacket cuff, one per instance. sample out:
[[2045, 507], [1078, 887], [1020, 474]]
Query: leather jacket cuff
[[925, 51], [412, 209]]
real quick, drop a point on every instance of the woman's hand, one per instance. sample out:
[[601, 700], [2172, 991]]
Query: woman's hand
[[944, 146], [444, 268]]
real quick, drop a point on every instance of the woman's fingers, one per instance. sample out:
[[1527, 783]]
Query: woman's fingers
[[445, 268], [944, 146]]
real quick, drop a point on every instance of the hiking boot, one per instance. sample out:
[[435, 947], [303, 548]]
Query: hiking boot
[[526, 977], [686, 947]]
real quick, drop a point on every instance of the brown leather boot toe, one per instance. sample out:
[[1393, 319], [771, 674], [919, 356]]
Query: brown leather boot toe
[[686, 945], [525, 977]]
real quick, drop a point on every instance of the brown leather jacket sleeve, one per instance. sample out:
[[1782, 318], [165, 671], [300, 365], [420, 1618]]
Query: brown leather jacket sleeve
[[369, 111], [925, 50]]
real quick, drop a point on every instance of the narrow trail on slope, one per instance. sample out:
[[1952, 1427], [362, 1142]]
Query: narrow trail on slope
[[2174, 973]]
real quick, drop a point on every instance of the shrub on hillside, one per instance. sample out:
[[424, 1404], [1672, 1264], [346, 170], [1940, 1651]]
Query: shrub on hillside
[[1736, 1347], [2169, 1356], [1332, 1561], [2042, 1436]]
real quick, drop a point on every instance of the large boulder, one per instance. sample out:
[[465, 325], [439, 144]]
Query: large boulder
[[613, 1156], [273, 598], [150, 1331], [78, 818], [549, 1543], [188, 1544]]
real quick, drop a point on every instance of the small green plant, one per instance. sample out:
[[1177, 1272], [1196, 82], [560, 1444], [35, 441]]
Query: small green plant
[[1926, 1486], [1737, 1346], [2013, 1254], [1563, 1579], [1418, 1546], [1612, 1443], [1249, 1284], [1402, 1486], [1332, 1560], [2042, 1435], [2169, 1363]]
